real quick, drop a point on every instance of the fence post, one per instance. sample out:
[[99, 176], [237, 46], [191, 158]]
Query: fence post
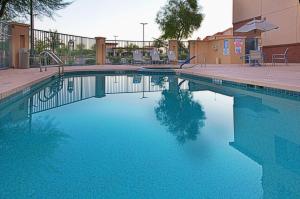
[[173, 46], [192, 49], [100, 50], [19, 39]]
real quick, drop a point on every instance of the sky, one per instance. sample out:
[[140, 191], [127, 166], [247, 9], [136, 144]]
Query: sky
[[103, 18]]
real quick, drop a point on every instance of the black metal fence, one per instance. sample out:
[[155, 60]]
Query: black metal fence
[[4, 44], [121, 51], [72, 49]]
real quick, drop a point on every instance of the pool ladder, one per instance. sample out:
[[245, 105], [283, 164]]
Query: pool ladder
[[46, 57]]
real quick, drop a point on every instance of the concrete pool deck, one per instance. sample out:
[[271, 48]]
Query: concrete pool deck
[[280, 76]]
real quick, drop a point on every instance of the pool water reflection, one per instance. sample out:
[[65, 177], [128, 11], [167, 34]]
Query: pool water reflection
[[143, 136]]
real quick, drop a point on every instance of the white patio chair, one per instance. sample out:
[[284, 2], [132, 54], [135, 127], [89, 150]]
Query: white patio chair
[[172, 57], [155, 58], [137, 57]]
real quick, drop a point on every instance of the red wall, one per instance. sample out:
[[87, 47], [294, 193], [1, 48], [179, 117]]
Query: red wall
[[293, 53]]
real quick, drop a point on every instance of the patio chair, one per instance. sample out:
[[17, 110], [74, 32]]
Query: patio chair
[[283, 56], [172, 57], [155, 58], [245, 58], [256, 57], [138, 57]]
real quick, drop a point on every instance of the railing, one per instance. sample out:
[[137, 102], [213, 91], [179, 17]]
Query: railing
[[50, 59], [4, 44], [187, 61], [120, 51], [71, 49]]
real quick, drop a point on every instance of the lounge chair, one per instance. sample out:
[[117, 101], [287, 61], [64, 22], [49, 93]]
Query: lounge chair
[[155, 58], [283, 56], [138, 57], [172, 59]]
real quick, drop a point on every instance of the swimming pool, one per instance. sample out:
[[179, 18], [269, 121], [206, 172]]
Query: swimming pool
[[133, 135]]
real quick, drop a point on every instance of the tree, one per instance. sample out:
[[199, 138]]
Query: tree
[[178, 19], [131, 47], [160, 44], [40, 46], [21, 8], [54, 41]]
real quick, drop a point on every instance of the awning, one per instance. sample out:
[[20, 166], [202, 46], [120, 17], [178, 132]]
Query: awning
[[257, 25]]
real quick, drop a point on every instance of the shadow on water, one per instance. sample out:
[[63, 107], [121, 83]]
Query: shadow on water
[[178, 111], [28, 148]]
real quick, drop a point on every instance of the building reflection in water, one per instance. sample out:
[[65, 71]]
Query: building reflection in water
[[267, 130]]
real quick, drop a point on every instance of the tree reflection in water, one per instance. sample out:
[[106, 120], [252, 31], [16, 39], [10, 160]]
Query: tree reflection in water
[[183, 116]]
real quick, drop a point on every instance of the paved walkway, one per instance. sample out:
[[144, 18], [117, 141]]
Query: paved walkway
[[283, 77]]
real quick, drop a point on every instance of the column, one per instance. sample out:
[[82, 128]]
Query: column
[[19, 39], [100, 51], [192, 49]]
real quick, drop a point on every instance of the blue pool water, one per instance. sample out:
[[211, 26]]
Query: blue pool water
[[148, 136]]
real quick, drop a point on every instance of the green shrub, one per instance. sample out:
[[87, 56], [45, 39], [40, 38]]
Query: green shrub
[[90, 61]]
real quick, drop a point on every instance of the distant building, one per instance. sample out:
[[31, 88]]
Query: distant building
[[283, 13], [227, 32], [220, 48]]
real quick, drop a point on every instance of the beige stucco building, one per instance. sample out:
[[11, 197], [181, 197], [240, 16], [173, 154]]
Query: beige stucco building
[[283, 13], [220, 48]]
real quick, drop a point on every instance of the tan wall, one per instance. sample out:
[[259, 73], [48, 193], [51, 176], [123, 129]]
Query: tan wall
[[271, 6], [283, 14], [298, 25], [212, 52], [19, 39], [246, 9]]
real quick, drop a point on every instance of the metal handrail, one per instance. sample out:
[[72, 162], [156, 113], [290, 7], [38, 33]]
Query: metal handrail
[[54, 57], [187, 61]]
